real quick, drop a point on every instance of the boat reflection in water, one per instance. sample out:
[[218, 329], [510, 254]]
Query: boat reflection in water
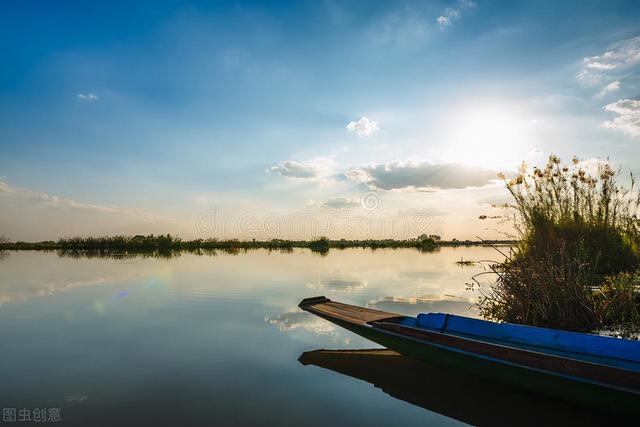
[[463, 397]]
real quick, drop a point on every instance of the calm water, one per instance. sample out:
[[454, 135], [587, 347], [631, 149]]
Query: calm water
[[218, 340]]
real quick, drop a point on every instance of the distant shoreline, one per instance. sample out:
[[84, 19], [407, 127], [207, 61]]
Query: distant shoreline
[[168, 243]]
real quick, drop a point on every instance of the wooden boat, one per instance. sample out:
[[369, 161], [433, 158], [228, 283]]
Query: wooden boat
[[584, 368]]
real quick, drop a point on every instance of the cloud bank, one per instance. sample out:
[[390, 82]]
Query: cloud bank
[[420, 176]]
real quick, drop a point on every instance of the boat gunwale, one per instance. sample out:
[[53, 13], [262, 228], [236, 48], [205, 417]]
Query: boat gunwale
[[533, 348]]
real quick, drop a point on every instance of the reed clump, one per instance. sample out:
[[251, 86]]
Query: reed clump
[[320, 244], [575, 266]]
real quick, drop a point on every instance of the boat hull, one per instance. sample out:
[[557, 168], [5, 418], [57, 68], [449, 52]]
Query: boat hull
[[564, 387]]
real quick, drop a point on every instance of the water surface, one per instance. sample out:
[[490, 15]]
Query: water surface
[[219, 340]]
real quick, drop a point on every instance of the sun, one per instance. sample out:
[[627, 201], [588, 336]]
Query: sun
[[491, 137]]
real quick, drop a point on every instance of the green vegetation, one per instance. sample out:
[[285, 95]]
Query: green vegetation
[[167, 246], [3, 253], [321, 244], [576, 264]]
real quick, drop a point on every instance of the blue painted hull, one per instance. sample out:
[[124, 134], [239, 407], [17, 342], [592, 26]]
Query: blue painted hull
[[535, 371], [609, 351]]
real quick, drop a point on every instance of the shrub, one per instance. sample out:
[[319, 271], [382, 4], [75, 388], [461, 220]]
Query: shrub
[[617, 302], [574, 231], [427, 243], [320, 244]]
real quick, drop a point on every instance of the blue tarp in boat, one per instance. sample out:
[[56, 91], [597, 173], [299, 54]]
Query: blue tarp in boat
[[573, 342]]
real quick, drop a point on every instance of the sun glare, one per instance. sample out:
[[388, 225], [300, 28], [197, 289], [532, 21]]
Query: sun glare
[[491, 138]]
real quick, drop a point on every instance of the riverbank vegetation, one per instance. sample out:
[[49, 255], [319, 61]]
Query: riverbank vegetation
[[166, 244], [576, 262]]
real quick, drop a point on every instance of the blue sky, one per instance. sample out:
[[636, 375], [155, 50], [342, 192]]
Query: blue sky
[[126, 118]]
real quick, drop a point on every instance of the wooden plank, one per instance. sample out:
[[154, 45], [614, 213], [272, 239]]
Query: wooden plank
[[347, 312]]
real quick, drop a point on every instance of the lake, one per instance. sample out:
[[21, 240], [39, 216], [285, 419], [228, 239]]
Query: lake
[[219, 340]]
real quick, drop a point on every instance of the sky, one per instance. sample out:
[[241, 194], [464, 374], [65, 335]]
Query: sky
[[351, 119]]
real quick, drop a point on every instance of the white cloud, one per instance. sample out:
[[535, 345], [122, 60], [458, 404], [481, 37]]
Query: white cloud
[[628, 120], [358, 175], [319, 168], [336, 203], [620, 57], [536, 152], [453, 14], [88, 96], [292, 169], [611, 87], [363, 127], [414, 175], [443, 21]]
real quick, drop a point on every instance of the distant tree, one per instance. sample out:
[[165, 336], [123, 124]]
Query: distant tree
[[320, 244], [423, 243], [4, 239]]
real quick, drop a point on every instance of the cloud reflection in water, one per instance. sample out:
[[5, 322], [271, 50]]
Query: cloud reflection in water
[[425, 304], [347, 286]]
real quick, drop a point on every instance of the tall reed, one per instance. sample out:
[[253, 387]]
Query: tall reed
[[577, 229]]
